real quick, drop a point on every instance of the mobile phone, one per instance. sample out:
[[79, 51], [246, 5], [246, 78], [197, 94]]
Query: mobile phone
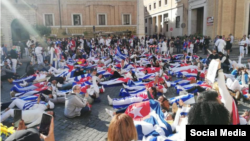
[[17, 117], [45, 124]]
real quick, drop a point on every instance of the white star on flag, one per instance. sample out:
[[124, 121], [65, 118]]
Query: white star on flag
[[192, 70], [152, 68], [136, 111]]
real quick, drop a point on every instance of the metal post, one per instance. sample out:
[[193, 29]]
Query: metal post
[[59, 1]]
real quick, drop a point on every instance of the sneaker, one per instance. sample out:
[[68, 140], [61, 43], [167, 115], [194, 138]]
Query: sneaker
[[123, 85], [109, 112], [103, 89], [110, 100]]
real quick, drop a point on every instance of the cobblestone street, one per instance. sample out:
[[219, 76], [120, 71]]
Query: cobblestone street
[[91, 126]]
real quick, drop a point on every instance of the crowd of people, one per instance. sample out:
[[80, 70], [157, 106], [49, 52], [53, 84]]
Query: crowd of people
[[75, 71]]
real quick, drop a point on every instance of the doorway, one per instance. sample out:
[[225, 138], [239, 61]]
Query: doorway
[[19, 33]]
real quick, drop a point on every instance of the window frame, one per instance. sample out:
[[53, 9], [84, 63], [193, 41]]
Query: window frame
[[146, 29], [53, 19], [72, 19], [159, 2], [106, 22], [154, 5], [150, 8], [179, 24], [166, 2], [130, 19]]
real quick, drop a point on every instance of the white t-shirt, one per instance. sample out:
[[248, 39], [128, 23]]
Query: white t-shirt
[[38, 50]]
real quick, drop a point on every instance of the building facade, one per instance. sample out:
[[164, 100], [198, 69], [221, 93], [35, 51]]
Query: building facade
[[204, 17], [72, 17], [165, 17]]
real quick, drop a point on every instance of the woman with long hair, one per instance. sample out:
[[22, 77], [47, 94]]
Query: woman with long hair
[[122, 128]]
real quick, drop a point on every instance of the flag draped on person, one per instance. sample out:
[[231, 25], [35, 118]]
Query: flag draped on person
[[149, 119]]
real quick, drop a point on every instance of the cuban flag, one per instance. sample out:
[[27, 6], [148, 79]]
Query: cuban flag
[[149, 119], [126, 101], [29, 93], [30, 78], [17, 88], [120, 55], [187, 99], [30, 104], [28, 98], [114, 82], [125, 92]]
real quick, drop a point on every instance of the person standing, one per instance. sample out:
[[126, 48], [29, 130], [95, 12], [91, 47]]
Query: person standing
[[178, 45], [39, 52], [171, 48], [232, 41], [22, 48], [220, 43], [14, 55], [5, 51], [164, 48], [243, 45], [228, 45], [206, 45]]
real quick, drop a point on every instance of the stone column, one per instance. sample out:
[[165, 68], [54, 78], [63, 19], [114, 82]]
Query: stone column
[[140, 19]]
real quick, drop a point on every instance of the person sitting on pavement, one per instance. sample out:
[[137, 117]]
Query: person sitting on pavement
[[7, 73], [75, 104]]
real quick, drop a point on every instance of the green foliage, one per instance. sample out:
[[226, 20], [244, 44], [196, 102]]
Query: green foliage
[[85, 33], [42, 30]]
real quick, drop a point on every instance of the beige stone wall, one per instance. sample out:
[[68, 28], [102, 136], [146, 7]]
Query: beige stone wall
[[33, 12], [89, 11]]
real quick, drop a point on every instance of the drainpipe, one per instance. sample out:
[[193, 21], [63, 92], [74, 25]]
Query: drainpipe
[[59, 1]]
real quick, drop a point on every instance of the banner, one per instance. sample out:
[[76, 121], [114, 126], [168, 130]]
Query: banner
[[210, 21]]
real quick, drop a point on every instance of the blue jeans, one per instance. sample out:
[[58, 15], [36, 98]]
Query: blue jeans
[[178, 49], [85, 109]]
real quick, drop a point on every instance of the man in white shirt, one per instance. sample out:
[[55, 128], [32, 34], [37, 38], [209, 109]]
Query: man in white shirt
[[220, 43], [38, 52]]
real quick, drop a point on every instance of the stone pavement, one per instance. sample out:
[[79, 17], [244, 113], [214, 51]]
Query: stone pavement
[[91, 126]]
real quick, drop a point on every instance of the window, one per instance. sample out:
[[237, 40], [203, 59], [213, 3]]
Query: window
[[149, 7], [167, 27], [155, 28], [166, 2], [77, 20], [48, 20], [146, 20], [126, 19], [154, 5], [178, 19], [159, 3], [146, 29], [166, 17], [102, 19]]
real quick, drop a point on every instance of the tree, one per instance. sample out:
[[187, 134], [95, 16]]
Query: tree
[[42, 30]]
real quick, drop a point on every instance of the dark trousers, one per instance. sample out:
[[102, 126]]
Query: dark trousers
[[121, 110], [5, 105], [179, 49], [205, 49]]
